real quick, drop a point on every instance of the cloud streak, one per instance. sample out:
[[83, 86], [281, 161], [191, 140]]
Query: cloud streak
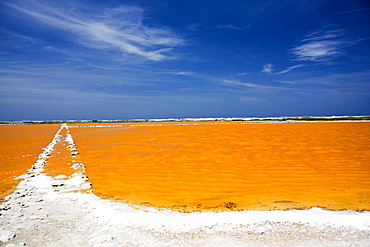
[[290, 69], [252, 85], [321, 46], [268, 68], [119, 29], [232, 27], [185, 73]]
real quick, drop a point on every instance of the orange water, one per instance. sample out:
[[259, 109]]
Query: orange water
[[20, 146], [230, 166]]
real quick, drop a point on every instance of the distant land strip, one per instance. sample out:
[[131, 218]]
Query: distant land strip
[[221, 119]]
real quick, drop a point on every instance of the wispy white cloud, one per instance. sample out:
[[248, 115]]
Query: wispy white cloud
[[290, 69], [268, 68], [318, 51], [232, 27], [252, 85], [176, 72], [116, 29], [244, 84], [196, 27], [321, 46], [287, 82], [188, 73]]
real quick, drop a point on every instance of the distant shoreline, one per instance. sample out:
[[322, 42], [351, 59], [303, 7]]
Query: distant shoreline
[[221, 119]]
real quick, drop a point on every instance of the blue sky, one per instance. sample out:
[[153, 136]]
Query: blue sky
[[113, 59]]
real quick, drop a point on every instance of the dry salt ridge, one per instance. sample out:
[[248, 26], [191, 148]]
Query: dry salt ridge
[[61, 211]]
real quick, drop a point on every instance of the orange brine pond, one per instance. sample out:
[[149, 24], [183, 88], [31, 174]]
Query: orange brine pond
[[221, 167], [20, 146]]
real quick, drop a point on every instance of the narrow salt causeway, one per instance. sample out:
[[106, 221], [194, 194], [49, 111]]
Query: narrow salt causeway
[[54, 206]]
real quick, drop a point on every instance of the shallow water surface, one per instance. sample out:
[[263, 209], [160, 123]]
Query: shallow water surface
[[221, 167], [20, 145]]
